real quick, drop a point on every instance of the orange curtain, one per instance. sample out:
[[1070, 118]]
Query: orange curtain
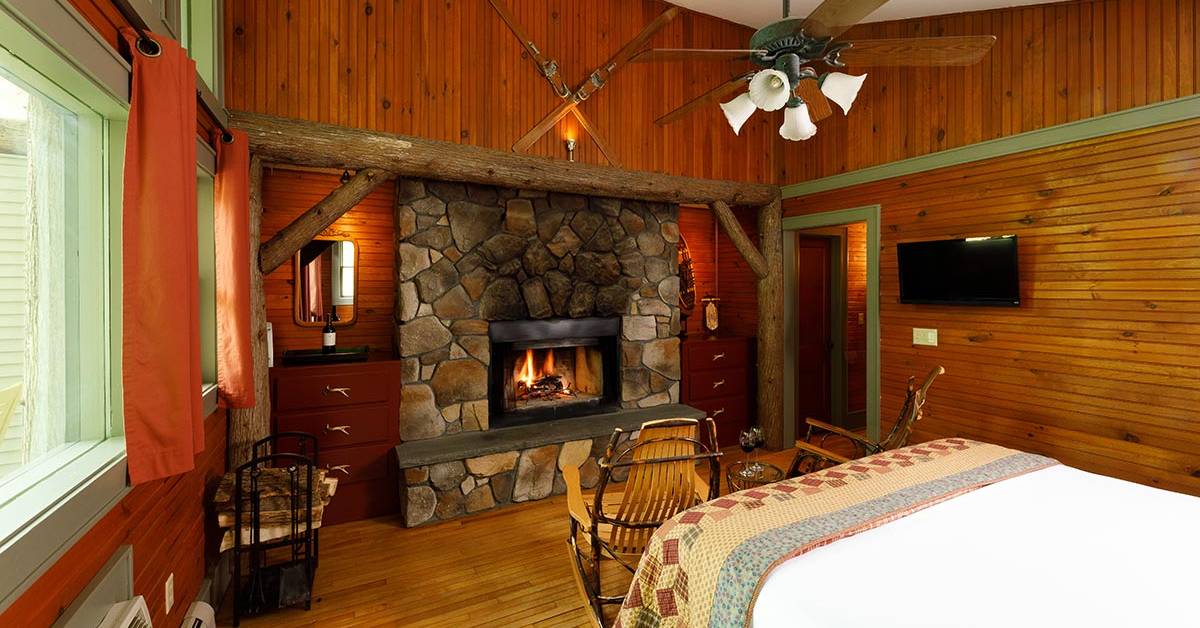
[[160, 370], [235, 357]]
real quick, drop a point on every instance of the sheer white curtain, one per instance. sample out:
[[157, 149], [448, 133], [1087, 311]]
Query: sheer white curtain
[[45, 339]]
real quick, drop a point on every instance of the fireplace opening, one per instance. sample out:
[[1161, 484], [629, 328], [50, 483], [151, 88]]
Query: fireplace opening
[[553, 369]]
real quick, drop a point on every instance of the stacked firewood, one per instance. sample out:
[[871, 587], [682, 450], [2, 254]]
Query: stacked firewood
[[275, 504], [544, 387]]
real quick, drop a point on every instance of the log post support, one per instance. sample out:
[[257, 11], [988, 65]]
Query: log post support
[[250, 424], [283, 245], [767, 264]]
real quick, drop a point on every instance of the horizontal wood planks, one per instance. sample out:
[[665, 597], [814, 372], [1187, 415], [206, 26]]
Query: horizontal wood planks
[[289, 193], [452, 71], [1051, 64], [167, 523], [1100, 365]]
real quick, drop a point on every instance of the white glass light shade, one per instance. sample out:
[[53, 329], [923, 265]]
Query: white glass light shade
[[738, 110], [842, 88], [797, 124], [769, 90]]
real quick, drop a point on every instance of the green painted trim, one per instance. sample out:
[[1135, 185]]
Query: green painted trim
[[1165, 112], [872, 215]]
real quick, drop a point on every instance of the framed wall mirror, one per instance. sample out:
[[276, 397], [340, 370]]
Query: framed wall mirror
[[326, 283]]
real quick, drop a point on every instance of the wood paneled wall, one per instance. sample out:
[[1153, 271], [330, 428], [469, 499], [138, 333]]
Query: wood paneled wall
[[1052, 64], [856, 314], [696, 225], [165, 521], [451, 70], [1100, 365], [289, 193]]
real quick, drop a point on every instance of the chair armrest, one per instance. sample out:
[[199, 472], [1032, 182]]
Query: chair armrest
[[833, 429], [805, 447], [576, 506]]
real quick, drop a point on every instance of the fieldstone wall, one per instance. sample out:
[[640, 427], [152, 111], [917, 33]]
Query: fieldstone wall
[[469, 254]]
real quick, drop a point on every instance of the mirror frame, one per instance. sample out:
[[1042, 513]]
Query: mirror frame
[[296, 284]]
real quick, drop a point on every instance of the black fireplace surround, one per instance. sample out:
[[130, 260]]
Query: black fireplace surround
[[580, 346]]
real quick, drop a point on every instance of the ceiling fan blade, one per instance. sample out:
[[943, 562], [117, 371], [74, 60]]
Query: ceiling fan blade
[[832, 17], [693, 54], [809, 90], [720, 91], [921, 51]]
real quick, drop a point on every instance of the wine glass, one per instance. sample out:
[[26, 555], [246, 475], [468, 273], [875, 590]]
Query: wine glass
[[748, 441], [760, 439]]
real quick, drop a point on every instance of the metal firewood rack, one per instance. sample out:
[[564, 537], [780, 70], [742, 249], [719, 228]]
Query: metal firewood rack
[[279, 572]]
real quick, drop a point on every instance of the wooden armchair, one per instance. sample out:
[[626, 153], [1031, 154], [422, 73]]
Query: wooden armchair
[[615, 524], [814, 457]]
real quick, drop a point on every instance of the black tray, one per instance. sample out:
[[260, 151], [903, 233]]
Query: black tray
[[295, 357]]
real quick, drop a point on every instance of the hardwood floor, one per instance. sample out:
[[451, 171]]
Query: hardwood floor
[[508, 567]]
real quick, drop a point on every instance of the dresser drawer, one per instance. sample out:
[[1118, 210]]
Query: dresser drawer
[[716, 354], [351, 465], [731, 414], [730, 382], [330, 389], [340, 427]]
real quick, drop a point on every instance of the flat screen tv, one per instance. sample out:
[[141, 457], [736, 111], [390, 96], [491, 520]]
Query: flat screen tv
[[969, 271]]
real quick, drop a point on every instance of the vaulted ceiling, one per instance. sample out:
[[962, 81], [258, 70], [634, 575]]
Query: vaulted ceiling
[[758, 13]]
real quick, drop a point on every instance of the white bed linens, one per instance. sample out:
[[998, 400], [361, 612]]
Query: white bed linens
[[1057, 547]]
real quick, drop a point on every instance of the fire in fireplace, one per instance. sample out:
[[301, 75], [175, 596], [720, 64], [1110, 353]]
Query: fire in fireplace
[[552, 369]]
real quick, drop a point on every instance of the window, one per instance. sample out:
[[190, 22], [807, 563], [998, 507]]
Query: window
[[61, 451], [343, 279], [206, 236], [200, 34]]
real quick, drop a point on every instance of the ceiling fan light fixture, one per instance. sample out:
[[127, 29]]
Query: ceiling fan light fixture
[[797, 124], [842, 88], [770, 90], [738, 110]]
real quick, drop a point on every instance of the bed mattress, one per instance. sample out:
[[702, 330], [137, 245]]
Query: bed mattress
[[1054, 547]]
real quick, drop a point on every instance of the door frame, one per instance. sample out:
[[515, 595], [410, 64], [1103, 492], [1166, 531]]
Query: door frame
[[870, 214]]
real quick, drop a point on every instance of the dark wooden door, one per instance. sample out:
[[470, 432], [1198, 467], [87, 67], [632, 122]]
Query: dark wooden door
[[813, 337]]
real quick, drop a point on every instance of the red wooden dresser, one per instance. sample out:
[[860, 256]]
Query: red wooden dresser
[[353, 410], [717, 379]]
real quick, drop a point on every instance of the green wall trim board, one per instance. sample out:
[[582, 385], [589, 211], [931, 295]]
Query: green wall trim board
[[1156, 114]]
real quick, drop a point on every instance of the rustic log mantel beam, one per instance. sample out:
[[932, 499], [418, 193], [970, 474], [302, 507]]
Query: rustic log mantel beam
[[767, 265], [303, 143], [311, 223]]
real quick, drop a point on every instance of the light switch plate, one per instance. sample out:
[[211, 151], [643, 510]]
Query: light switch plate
[[924, 337]]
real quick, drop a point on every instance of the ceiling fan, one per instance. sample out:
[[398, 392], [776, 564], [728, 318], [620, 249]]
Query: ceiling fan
[[799, 57]]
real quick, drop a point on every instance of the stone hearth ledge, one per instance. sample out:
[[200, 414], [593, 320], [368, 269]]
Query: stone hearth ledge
[[471, 472], [472, 444]]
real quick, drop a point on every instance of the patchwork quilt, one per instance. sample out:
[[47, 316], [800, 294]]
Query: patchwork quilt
[[704, 567]]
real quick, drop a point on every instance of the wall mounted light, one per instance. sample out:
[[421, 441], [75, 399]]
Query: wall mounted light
[[570, 149]]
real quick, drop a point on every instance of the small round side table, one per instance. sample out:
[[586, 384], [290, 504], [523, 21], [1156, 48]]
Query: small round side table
[[737, 482]]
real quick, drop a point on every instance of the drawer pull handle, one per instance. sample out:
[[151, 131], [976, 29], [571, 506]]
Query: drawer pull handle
[[343, 391], [719, 383], [716, 413], [718, 356], [345, 429], [344, 468]]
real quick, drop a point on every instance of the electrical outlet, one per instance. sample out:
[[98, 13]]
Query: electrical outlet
[[170, 591], [924, 337]]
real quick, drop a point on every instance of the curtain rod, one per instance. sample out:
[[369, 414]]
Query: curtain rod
[[147, 46]]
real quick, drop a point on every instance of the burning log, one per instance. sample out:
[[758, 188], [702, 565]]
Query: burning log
[[544, 387]]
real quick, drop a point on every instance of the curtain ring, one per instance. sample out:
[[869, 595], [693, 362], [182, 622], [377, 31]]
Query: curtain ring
[[148, 47]]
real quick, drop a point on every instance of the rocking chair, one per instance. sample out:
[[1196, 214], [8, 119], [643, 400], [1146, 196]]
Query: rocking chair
[[814, 457], [620, 519]]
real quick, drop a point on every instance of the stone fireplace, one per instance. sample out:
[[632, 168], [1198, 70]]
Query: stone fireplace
[[516, 308]]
